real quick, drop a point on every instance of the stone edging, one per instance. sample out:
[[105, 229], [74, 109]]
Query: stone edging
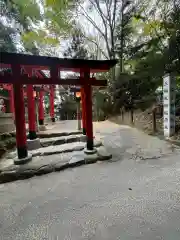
[[57, 134], [37, 152], [62, 140], [10, 176], [20, 174]]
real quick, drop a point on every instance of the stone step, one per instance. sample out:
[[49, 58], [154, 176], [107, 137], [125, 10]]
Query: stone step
[[56, 149], [49, 134], [45, 164], [45, 142], [66, 147]]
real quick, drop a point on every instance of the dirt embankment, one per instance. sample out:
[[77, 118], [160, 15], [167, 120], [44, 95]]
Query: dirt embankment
[[144, 121]]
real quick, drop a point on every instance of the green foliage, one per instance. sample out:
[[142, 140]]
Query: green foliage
[[156, 51], [38, 27], [76, 48], [20, 11], [29, 9], [4, 93], [68, 107], [133, 91], [39, 37], [57, 23], [68, 104], [19, 16], [6, 39], [102, 105]]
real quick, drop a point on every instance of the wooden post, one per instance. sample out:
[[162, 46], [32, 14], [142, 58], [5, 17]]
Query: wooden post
[[19, 115], [88, 107]]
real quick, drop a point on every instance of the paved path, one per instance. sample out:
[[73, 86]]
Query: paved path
[[125, 141], [126, 199]]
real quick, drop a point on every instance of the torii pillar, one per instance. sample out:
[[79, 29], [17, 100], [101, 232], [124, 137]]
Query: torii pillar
[[21, 142], [83, 107], [11, 95], [88, 115], [31, 111], [41, 111], [54, 73], [33, 142], [51, 101]]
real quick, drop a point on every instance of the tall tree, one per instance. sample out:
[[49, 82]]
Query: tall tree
[[109, 18], [106, 12], [76, 48]]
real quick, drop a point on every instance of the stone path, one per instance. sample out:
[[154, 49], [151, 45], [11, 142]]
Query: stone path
[[120, 142], [119, 200], [132, 143]]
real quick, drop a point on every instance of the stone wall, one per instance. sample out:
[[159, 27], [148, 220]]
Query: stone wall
[[6, 123]]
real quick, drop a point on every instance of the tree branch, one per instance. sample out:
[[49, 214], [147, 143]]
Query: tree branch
[[104, 19], [97, 45], [98, 9], [105, 35], [114, 14], [85, 14]]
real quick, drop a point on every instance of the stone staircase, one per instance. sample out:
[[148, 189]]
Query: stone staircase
[[57, 151]]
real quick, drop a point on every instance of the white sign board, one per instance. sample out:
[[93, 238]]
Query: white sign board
[[169, 85]]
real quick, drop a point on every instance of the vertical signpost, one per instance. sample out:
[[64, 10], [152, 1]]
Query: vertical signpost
[[169, 85]]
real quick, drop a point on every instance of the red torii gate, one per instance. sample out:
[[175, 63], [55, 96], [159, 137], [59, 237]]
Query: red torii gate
[[55, 65], [29, 93], [40, 74]]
